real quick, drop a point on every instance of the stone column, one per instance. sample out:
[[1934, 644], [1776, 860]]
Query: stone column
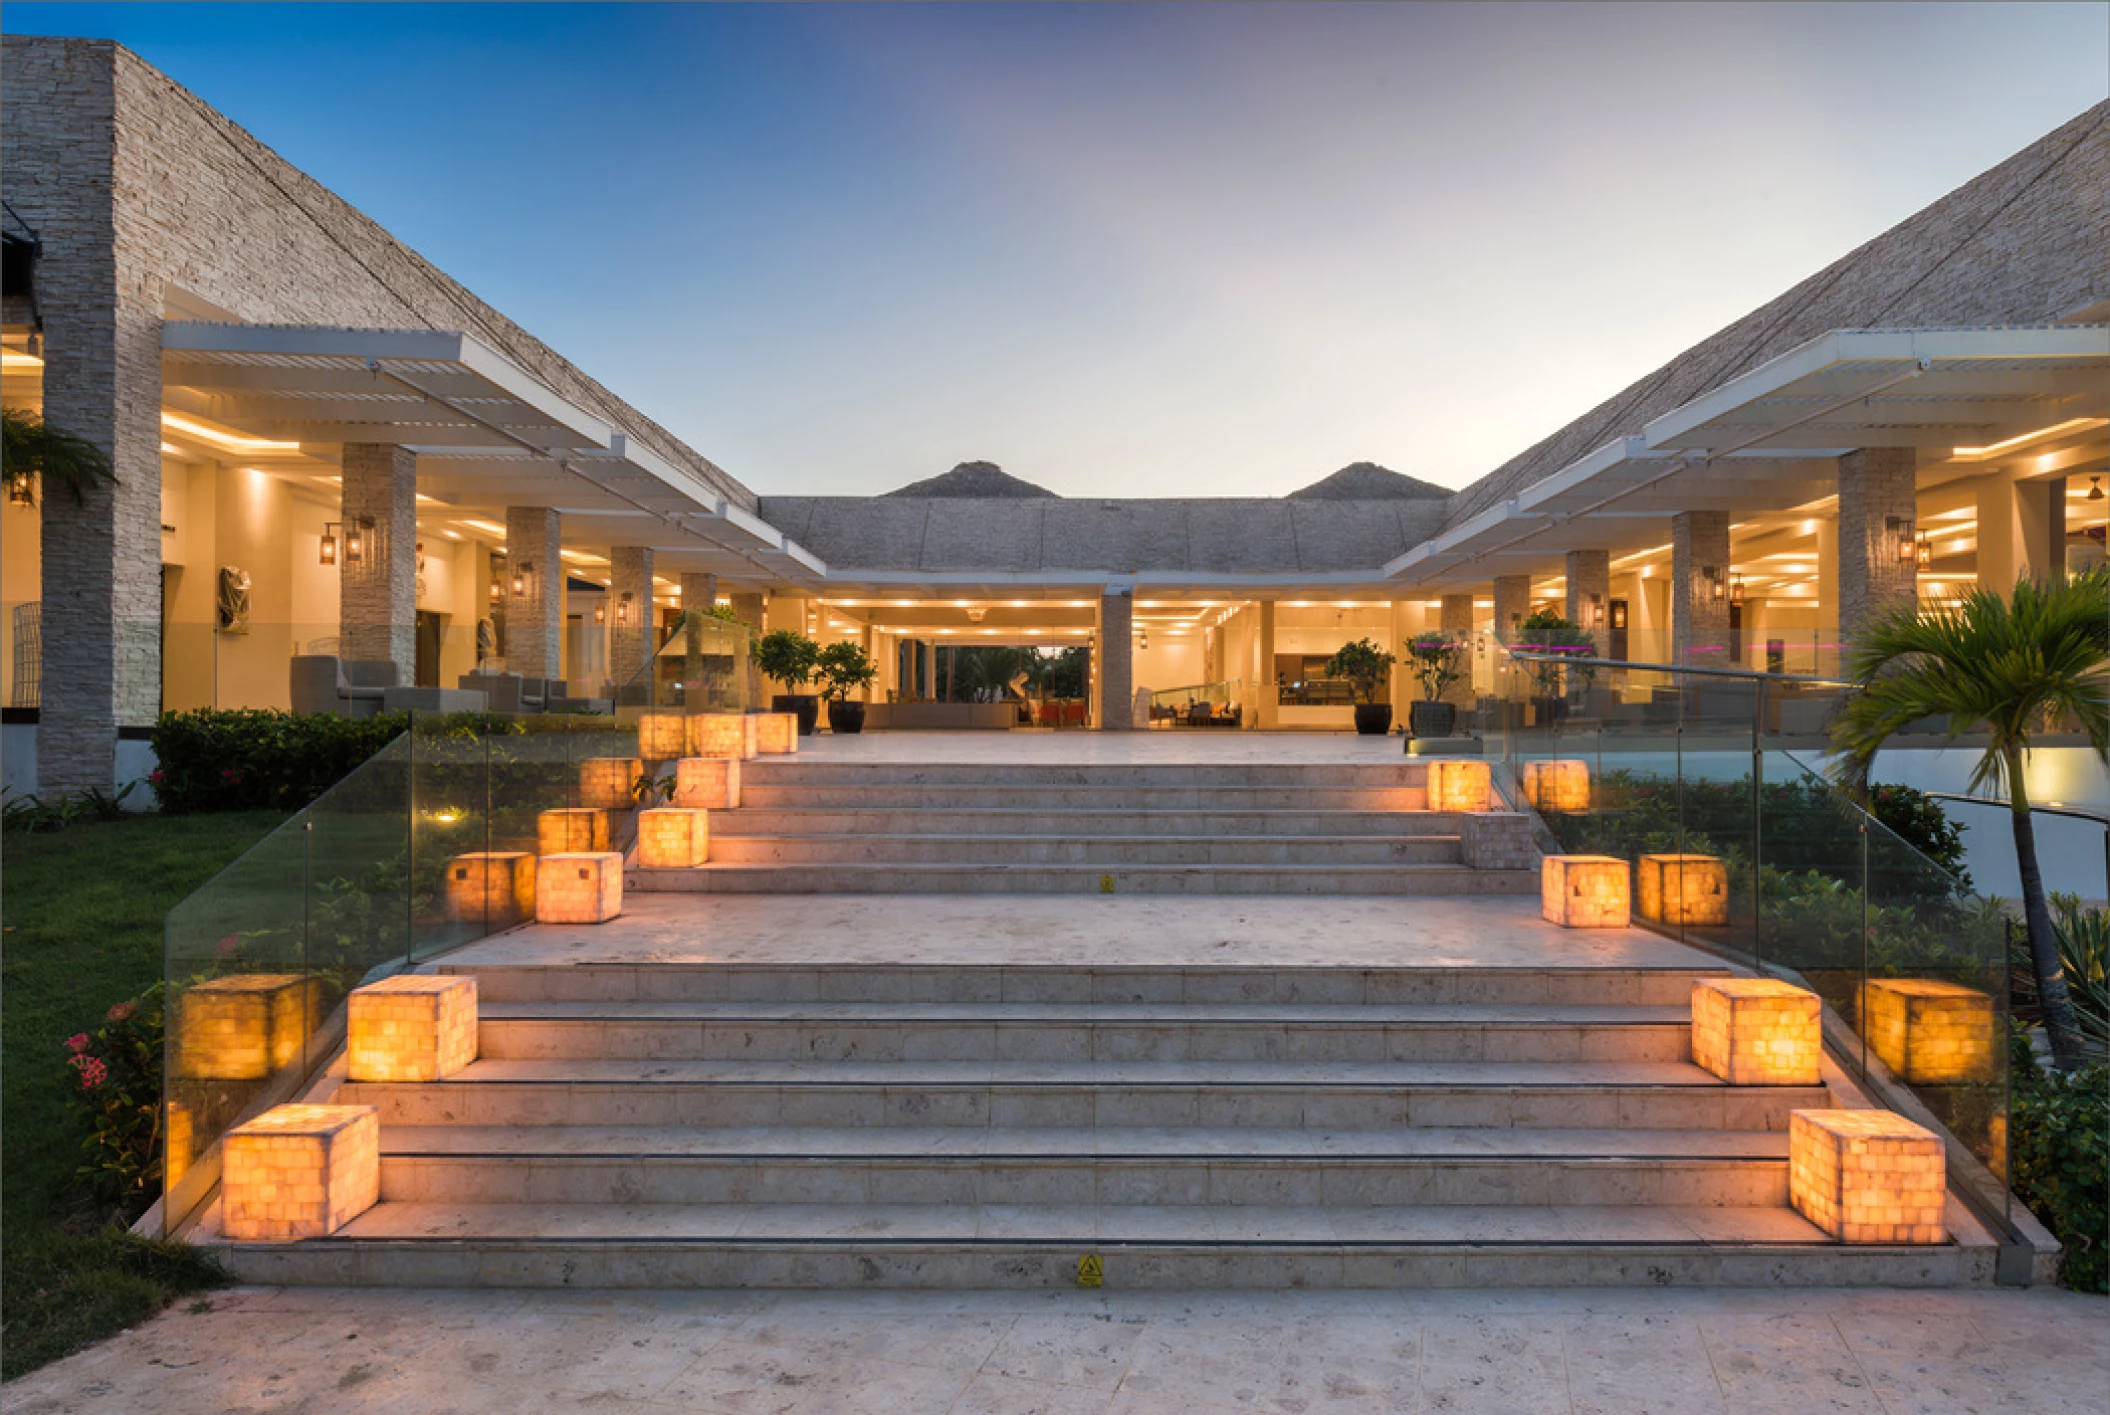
[[749, 609], [870, 641], [1590, 593], [1699, 622], [1116, 676], [1512, 605], [632, 636], [699, 594], [1458, 623], [101, 556], [535, 624], [1878, 498], [377, 599], [1270, 714]]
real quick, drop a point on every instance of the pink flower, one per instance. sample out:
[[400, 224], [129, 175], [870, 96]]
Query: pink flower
[[157, 777], [77, 1043], [229, 946], [93, 1071], [121, 1011]]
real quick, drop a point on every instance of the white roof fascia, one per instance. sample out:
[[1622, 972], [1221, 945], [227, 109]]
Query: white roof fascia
[[523, 388], [1452, 539], [1873, 346]]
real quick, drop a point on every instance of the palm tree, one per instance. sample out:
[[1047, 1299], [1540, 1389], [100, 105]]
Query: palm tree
[[2006, 667], [34, 449]]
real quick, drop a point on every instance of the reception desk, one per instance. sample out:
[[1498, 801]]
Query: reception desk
[[941, 717]]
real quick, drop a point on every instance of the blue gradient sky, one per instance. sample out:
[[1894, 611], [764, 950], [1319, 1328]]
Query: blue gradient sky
[[1149, 250]]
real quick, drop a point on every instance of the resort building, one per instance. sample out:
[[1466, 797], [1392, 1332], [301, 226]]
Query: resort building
[[325, 448]]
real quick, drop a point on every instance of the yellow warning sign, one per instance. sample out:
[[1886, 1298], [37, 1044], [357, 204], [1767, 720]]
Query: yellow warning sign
[[1091, 1272]]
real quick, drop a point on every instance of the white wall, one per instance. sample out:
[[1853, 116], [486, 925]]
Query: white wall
[[2069, 852]]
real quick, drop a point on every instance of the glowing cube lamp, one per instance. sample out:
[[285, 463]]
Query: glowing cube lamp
[[1930, 1033], [1458, 785], [1557, 786], [723, 734], [1867, 1176], [705, 784], [300, 1171], [582, 887], [245, 1027], [412, 1027], [776, 733], [176, 1148], [662, 736], [606, 783], [1584, 891], [672, 839], [1756, 1031], [1683, 889], [583, 828], [492, 887]]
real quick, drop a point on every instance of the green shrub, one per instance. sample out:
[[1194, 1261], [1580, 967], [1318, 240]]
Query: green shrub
[[2059, 1160], [114, 1075], [1919, 820], [248, 759], [1362, 664]]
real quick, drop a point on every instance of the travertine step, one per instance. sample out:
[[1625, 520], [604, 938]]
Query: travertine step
[[969, 878], [796, 793], [1387, 768], [1040, 819], [1019, 1165], [1040, 1032], [1108, 1095], [1198, 985], [736, 842]]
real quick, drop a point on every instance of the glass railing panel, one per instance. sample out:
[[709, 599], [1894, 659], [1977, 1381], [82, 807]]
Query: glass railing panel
[[453, 874], [239, 1005], [362, 892]]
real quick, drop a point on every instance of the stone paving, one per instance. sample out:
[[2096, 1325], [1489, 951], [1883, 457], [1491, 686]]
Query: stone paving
[[314, 1351]]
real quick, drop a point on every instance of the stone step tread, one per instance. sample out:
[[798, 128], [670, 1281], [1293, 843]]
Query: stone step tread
[[923, 1145], [1027, 815], [649, 1224], [894, 867], [720, 832], [1110, 1013], [1585, 1077]]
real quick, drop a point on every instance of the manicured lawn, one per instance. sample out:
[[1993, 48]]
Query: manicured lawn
[[83, 911]]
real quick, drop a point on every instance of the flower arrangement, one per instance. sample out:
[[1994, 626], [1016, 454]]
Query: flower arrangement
[[115, 1075]]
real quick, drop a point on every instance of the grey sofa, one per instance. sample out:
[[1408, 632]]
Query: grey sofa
[[352, 687]]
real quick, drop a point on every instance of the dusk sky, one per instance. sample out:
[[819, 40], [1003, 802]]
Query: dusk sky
[[1148, 251]]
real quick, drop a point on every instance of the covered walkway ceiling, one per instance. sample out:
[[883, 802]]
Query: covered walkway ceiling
[[1970, 400], [487, 435]]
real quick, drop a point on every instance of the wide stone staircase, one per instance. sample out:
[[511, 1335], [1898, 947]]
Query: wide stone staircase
[[808, 825], [701, 1124]]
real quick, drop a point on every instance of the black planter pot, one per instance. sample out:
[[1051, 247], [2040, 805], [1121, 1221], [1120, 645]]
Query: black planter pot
[[1432, 719], [845, 719], [1373, 719], [806, 705]]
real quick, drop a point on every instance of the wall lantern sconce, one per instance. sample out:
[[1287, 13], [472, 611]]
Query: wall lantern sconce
[[21, 489], [2095, 489], [600, 612], [358, 539], [1716, 589], [497, 591], [1900, 531], [1736, 589], [523, 580], [622, 609], [1596, 611], [1923, 551], [329, 542], [1619, 614]]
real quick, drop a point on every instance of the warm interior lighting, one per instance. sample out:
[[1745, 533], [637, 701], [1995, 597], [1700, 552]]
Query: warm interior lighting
[[1618, 614], [2095, 489], [1922, 551], [355, 541], [523, 580], [489, 528], [227, 439], [622, 609], [2024, 439], [600, 612], [16, 358], [497, 591], [20, 492], [329, 542]]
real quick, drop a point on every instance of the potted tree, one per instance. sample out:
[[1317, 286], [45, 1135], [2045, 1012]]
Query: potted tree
[[1548, 632], [844, 668], [1437, 661], [1365, 665], [790, 657]]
